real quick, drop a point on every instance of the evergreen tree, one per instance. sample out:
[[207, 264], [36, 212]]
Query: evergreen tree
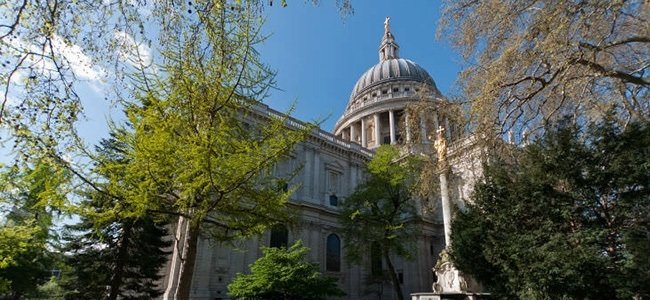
[[568, 219], [129, 250], [122, 260]]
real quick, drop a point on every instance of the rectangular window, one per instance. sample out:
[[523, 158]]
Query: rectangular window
[[279, 236], [334, 200]]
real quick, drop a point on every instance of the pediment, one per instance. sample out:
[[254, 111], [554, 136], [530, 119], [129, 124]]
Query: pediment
[[335, 166]]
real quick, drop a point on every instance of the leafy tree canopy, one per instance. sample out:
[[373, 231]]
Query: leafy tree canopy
[[568, 219], [532, 61], [284, 274], [381, 211], [51, 48], [30, 196]]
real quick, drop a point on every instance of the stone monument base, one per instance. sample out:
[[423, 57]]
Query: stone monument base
[[449, 296], [451, 284]]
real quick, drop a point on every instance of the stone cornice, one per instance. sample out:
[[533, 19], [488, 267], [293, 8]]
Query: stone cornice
[[321, 138]]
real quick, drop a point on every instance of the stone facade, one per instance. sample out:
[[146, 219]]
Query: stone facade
[[330, 167]]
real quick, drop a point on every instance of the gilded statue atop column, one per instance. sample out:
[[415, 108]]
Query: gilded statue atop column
[[441, 145]]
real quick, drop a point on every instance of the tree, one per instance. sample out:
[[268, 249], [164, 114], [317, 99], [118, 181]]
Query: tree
[[130, 253], [130, 249], [567, 220], [15, 243], [51, 48], [203, 145], [199, 91], [534, 61], [31, 194], [201, 148], [381, 212], [283, 273]]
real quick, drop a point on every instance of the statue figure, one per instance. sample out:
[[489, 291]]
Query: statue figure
[[449, 279], [387, 25], [441, 145]]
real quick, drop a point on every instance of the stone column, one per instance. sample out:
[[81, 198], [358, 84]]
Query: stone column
[[423, 129], [317, 183], [446, 208], [407, 124], [450, 280], [448, 133], [377, 132], [353, 177], [307, 174], [364, 141], [441, 149], [391, 125], [436, 123], [353, 138]]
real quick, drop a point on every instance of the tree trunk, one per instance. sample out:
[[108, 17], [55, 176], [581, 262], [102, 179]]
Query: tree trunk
[[393, 275], [187, 267], [120, 263]]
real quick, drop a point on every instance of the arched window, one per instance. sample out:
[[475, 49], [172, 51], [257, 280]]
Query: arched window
[[333, 257], [279, 236]]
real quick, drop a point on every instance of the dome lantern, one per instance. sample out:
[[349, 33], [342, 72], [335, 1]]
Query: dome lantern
[[388, 49]]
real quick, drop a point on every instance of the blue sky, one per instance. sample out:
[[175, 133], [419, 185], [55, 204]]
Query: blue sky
[[319, 55]]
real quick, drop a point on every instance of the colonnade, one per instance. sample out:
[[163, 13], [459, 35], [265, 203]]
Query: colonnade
[[369, 131]]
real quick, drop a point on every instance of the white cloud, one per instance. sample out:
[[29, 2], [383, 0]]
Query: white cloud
[[80, 63], [134, 53]]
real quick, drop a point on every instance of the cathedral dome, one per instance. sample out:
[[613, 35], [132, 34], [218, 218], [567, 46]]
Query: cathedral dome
[[375, 113], [390, 71]]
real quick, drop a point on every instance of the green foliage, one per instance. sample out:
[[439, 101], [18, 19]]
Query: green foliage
[[130, 253], [203, 144], [31, 196], [51, 49], [200, 149], [569, 219], [533, 61], [381, 210], [14, 240], [129, 249], [51, 290], [284, 274]]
